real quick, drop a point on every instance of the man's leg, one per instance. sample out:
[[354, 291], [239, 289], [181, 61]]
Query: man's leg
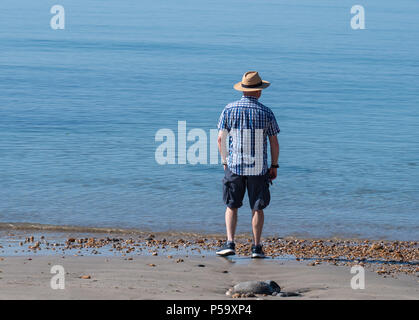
[[231, 223], [257, 225], [229, 248], [234, 188], [259, 198]]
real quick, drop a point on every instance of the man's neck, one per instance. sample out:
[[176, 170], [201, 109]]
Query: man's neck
[[250, 96]]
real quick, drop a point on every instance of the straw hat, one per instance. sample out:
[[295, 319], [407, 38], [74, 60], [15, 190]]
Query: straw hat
[[251, 81]]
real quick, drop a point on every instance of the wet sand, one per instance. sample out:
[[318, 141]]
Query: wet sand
[[158, 277], [385, 257]]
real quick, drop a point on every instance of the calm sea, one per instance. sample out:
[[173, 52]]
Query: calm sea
[[80, 107]]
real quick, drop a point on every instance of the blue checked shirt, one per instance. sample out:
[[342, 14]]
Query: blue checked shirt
[[248, 123]]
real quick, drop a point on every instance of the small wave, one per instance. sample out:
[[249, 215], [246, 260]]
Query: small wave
[[48, 227], [36, 227]]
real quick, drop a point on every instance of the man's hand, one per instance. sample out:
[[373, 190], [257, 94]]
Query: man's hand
[[273, 173], [224, 166]]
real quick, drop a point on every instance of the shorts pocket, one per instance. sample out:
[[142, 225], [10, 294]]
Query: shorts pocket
[[259, 194], [233, 193], [226, 191]]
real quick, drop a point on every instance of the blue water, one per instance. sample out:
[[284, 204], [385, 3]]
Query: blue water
[[80, 107]]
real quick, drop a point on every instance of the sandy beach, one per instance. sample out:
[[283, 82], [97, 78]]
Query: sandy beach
[[150, 277], [100, 265]]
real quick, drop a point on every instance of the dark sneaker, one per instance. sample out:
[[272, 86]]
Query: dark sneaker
[[227, 249], [257, 251]]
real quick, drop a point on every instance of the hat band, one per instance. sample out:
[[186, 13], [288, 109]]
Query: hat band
[[252, 85]]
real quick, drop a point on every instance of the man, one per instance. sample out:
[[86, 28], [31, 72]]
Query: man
[[248, 123]]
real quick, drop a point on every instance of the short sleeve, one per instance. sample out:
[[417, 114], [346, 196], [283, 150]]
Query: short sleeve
[[223, 121], [273, 128]]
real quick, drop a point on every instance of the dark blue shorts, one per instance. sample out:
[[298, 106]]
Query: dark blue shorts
[[234, 188]]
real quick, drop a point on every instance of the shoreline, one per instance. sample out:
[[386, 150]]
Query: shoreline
[[383, 257], [39, 227]]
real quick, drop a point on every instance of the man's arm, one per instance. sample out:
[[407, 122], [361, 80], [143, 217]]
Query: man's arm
[[273, 141], [221, 141]]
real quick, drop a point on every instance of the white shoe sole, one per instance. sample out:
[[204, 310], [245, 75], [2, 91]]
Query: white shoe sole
[[258, 255], [226, 252]]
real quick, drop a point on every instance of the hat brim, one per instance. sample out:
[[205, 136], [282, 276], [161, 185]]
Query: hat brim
[[264, 85]]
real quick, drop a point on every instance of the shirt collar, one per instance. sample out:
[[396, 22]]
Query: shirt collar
[[250, 98]]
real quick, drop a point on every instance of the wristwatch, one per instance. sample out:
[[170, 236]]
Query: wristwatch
[[274, 166]]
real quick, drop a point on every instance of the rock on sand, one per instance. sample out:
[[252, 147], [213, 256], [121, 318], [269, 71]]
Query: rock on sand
[[257, 287]]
